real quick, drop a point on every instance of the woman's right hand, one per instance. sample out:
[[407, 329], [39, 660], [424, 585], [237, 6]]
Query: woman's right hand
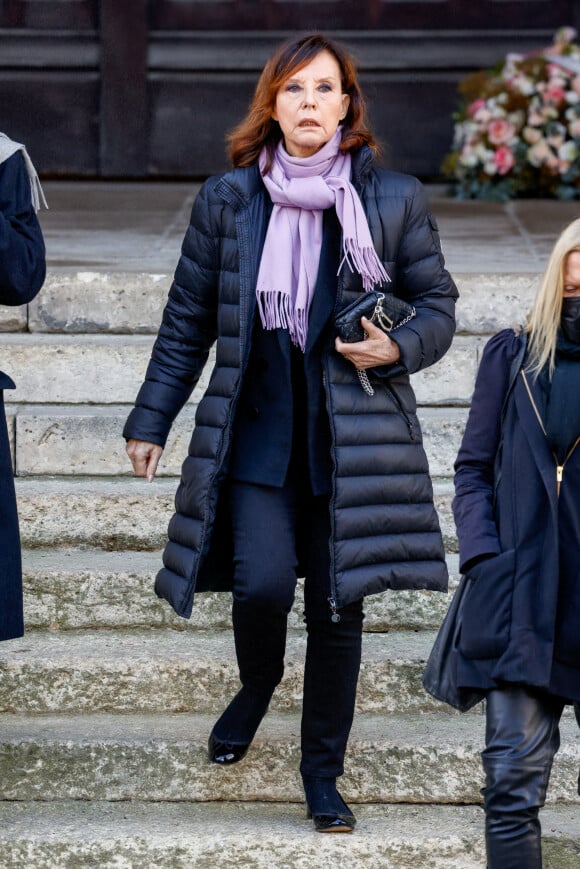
[[144, 457]]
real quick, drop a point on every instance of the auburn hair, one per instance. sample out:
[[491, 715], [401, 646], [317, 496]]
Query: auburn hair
[[259, 129]]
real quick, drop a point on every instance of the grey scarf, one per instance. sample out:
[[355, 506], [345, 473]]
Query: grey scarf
[[7, 149]]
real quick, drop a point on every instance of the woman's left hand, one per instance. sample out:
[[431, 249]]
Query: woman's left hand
[[377, 349]]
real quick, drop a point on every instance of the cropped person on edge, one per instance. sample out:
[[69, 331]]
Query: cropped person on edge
[[293, 470], [22, 272], [517, 510]]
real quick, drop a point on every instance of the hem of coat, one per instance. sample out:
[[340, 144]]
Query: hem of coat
[[13, 634], [165, 583]]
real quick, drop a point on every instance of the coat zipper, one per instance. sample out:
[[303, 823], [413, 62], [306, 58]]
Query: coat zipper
[[402, 410], [559, 467]]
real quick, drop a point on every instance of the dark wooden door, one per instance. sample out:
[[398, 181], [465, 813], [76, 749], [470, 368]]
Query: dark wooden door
[[148, 89]]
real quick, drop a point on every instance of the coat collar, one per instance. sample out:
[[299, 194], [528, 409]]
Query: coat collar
[[530, 405]]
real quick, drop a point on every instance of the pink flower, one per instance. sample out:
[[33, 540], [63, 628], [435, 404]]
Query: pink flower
[[475, 106], [504, 160], [500, 131], [554, 95], [482, 115], [575, 128], [535, 119]]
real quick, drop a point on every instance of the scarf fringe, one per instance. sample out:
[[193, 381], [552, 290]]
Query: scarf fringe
[[277, 312], [365, 261]]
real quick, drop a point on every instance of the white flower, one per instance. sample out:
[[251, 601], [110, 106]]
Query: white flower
[[531, 135], [539, 153], [468, 160], [568, 152], [483, 154], [565, 35]]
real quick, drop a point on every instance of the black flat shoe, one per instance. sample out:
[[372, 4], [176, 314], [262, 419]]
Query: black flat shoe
[[326, 807], [226, 753], [238, 723], [343, 823]]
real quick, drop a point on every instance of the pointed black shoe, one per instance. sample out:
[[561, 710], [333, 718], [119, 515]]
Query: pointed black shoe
[[326, 807], [226, 753], [237, 726]]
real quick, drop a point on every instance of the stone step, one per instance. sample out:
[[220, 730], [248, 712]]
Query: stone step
[[14, 319], [162, 670], [427, 758], [108, 369], [126, 513], [68, 589], [87, 440], [258, 836], [92, 302]]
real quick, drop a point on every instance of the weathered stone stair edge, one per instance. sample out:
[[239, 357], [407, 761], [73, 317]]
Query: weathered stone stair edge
[[109, 369], [426, 758], [87, 440], [127, 513], [259, 836], [132, 303], [132, 670], [67, 589]]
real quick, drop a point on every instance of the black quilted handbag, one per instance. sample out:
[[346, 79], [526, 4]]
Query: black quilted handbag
[[386, 311]]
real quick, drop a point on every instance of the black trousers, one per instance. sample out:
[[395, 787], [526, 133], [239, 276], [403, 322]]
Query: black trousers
[[266, 522], [522, 737]]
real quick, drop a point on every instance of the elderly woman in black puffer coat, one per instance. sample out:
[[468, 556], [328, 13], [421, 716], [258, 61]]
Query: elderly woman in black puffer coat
[[22, 271], [293, 468]]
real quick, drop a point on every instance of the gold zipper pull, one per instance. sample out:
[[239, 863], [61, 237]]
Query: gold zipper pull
[[559, 476]]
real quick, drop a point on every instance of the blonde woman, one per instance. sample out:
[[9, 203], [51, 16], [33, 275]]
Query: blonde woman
[[517, 510]]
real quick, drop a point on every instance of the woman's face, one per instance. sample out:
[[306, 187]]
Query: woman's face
[[310, 105], [572, 274]]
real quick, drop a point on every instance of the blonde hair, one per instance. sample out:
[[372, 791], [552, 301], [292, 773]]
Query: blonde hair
[[544, 317]]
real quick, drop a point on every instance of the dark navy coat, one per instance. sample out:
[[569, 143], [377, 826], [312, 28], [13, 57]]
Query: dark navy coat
[[385, 532], [508, 503], [22, 272]]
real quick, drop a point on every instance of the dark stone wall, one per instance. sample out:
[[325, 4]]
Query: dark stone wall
[[100, 88]]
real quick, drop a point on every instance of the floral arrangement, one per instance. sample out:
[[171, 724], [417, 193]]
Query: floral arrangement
[[518, 130]]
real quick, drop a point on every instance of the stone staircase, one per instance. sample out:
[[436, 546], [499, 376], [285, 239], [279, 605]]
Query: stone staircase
[[107, 701]]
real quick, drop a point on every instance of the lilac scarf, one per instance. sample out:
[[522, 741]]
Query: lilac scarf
[[301, 188]]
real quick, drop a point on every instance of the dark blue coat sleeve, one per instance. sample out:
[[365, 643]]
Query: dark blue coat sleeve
[[22, 253], [474, 468], [423, 282], [186, 334]]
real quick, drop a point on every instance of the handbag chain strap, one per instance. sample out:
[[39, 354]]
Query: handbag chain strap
[[364, 381], [385, 323]]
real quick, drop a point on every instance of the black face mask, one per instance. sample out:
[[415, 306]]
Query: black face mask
[[571, 318]]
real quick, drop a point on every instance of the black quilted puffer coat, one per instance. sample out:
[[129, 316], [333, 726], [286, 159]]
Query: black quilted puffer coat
[[385, 532]]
